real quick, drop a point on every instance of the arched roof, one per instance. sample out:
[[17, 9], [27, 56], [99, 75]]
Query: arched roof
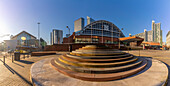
[[102, 21]]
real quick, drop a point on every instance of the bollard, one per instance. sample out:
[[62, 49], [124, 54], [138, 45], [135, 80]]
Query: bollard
[[27, 55], [4, 60], [24, 55], [12, 58]]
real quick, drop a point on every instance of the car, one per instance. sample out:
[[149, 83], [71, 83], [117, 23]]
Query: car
[[10, 51]]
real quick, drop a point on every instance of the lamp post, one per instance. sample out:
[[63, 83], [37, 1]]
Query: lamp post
[[112, 35], [38, 34], [119, 37], [91, 34], [102, 32], [69, 33]]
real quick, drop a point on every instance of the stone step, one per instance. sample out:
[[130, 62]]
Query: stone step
[[81, 59], [86, 64], [96, 50], [98, 77], [100, 70], [95, 53], [93, 47], [99, 57]]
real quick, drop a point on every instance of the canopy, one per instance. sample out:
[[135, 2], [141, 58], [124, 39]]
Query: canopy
[[131, 39]]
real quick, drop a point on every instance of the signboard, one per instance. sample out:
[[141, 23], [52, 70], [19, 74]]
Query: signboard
[[106, 27], [23, 38]]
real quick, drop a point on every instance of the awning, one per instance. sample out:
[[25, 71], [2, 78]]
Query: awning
[[151, 43], [131, 39]]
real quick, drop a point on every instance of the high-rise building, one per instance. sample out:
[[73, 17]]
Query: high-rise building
[[89, 20], [51, 38], [56, 36], [78, 24], [157, 32], [155, 35], [168, 39]]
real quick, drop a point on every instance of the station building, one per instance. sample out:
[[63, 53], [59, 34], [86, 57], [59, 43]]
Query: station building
[[100, 31]]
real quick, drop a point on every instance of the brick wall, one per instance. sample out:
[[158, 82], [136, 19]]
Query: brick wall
[[65, 47]]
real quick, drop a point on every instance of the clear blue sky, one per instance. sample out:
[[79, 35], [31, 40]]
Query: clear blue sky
[[132, 15]]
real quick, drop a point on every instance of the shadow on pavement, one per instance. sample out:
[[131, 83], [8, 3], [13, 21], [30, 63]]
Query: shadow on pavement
[[168, 80], [14, 72], [149, 64], [26, 62], [18, 64]]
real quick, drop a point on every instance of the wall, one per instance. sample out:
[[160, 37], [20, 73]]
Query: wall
[[65, 47], [11, 44]]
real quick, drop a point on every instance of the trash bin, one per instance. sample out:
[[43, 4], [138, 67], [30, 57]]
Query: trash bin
[[17, 56], [70, 48]]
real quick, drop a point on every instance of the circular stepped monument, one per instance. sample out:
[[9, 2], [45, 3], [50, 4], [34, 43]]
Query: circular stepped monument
[[98, 63], [98, 66]]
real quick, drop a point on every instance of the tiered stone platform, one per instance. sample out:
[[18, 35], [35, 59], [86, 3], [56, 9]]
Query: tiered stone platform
[[98, 63], [99, 66]]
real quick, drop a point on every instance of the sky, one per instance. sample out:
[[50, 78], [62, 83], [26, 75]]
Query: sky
[[132, 15]]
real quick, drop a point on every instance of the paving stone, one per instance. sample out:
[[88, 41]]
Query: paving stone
[[18, 73], [151, 76]]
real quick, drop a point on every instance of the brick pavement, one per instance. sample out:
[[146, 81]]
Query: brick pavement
[[161, 55], [18, 72]]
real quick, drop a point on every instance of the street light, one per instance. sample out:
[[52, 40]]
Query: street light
[[38, 33], [68, 29], [119, 37], [69, 33], [91, 34]]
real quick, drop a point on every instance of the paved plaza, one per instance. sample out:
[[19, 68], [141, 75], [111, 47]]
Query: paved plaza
[[18, 72], [163, 56]]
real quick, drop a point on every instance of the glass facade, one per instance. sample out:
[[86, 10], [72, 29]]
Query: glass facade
[[56, 36], [101, 28], [28, 40], [25, 39], [86, 40]]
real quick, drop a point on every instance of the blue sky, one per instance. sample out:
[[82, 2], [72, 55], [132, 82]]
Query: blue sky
[[132, 15]]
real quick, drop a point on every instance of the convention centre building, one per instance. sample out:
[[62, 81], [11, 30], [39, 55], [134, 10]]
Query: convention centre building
[[100, 31]]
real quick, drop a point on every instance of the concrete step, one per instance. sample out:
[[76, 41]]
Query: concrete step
[[100, 70], [96, 50], [80, 59], [98, 77], [95, 53], [86, 64], [98, 57]]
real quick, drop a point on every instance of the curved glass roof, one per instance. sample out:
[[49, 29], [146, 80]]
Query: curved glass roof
[[101, 28]]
